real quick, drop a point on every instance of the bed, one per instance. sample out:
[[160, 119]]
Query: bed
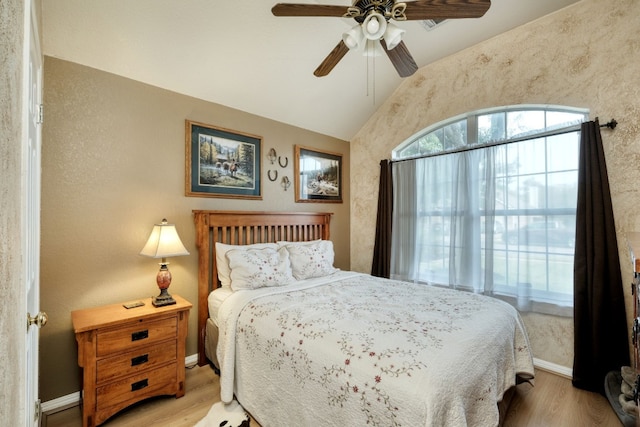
[[298, 341]]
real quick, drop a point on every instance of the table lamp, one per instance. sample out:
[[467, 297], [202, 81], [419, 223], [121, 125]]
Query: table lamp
[[163, 242]]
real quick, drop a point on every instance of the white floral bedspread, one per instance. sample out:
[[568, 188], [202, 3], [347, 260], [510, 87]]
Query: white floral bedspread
[[355, 350]]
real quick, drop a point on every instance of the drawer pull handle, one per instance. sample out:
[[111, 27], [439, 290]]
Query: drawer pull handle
[[135, 361], [140, 385], [136, 336]]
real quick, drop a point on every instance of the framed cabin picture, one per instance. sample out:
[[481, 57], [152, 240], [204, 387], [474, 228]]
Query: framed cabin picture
[[221, 162], [318, 175]]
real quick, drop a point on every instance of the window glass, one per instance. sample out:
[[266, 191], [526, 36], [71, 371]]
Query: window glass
[[455, 135], [520, 123], [557, 119], [562, 189], [409, 151], [491, 127], [432, 143], [561, 151], [526, 157]]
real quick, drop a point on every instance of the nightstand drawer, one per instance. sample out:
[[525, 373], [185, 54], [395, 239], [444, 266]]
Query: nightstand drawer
[[135, 361], [135, 335], [136, 387]]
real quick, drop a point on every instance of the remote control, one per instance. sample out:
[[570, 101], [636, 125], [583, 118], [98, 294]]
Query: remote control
[[133, 304]]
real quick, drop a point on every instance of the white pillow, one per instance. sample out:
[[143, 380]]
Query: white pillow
[[224, 272], [257, 268], [310, 259]]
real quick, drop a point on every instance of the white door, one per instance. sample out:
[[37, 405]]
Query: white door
[[31, 155]]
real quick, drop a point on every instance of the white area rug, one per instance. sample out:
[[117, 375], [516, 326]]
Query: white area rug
[[221, 415]]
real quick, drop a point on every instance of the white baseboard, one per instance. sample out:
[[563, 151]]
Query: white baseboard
[[73, 399], [563, 371], [191, 361], [61, 403]]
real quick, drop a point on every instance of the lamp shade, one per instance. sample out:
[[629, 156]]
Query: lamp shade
[[164, 242]]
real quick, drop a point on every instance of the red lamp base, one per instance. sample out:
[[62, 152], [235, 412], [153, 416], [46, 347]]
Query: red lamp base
[[164, 280]]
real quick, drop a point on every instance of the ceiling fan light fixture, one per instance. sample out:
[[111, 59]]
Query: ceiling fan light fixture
[[393, 35], [374, 26], [353, 38], [373, 17]]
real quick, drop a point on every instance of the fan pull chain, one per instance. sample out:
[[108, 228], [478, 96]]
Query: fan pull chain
[[373, 73], [370, 52], [366, 57]]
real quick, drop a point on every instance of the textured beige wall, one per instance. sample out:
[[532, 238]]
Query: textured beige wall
[[113, 165], [12, 313], [586, 55]]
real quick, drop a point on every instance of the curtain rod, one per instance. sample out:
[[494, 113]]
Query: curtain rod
[[611, 124]]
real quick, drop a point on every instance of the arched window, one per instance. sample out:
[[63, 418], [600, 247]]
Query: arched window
[[486, 202], [486, 127]]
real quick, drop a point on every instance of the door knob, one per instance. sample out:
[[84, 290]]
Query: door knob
[[39, 319]]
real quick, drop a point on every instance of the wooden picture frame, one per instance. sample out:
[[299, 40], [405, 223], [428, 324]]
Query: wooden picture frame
[[221, 162], [318, 175]]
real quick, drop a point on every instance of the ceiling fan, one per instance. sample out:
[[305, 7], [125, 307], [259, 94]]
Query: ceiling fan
[[373, 19]]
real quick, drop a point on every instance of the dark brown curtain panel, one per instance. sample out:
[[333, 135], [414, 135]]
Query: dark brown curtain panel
[[381, 266], [600, 323]]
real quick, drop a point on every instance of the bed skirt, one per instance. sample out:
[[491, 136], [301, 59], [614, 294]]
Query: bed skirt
[[211, 342]]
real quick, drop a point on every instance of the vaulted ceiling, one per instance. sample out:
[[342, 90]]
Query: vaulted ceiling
[[237, 54]]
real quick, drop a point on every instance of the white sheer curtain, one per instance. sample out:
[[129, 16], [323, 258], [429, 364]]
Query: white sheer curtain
[[444, 214], [405, 259], [494, 220]]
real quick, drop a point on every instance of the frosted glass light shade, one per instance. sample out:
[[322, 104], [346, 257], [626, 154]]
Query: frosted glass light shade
[[393, 36], [374, 26], [353, 38]]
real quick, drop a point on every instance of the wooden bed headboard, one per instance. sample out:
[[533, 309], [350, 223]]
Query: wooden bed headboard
[[243, 228]]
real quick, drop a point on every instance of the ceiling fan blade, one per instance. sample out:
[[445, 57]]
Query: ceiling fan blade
[[446, 9], [297, 9], [331, 60], [401, 59]]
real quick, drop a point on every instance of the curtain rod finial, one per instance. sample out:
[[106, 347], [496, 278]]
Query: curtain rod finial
[[611, 124]]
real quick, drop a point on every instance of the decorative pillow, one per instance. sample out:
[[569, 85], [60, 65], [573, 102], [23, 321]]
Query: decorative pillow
[[257, 268], [224, 272], [310, 259]]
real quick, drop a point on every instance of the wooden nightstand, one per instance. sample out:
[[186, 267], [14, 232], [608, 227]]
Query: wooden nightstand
[[128, 355]]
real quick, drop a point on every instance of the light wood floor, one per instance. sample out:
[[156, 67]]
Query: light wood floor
[[553, 402]]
